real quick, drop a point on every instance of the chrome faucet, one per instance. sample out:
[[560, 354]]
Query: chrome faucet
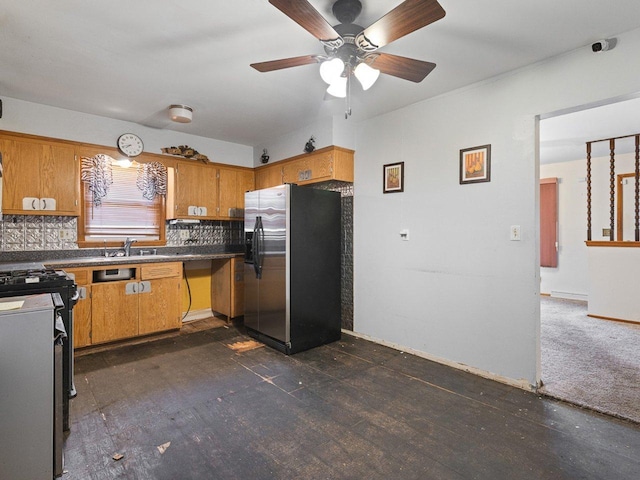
[[127, 246]]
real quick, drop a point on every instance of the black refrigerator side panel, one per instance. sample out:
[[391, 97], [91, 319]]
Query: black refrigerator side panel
[[315, 267]]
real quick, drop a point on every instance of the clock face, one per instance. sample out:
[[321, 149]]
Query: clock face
[[130, 144]]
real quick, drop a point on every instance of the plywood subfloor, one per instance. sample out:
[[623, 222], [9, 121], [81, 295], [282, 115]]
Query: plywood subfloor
[[187, 328], [189, 407]]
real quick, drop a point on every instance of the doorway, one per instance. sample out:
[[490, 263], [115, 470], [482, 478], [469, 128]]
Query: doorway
[[588, 361]]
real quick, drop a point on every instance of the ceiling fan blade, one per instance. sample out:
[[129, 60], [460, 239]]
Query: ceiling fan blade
[[303, 13], [407, 17], [285, 63], [402, 67]]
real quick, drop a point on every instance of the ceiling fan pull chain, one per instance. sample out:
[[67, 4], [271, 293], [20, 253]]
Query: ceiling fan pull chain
[[347, 112]]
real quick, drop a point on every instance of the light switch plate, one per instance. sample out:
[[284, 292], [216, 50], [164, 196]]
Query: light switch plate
[[514, 234], [404, 234]]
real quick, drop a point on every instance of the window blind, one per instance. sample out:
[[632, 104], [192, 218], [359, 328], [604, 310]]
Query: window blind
[[124, 212]]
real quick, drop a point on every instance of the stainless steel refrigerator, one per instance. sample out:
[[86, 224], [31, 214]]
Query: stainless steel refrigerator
[[292, 267]]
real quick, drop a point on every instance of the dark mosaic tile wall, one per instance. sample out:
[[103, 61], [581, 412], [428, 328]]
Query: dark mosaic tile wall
[[346, 258]]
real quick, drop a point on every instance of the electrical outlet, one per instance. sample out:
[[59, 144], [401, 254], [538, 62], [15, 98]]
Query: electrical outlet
[[514, 234], [184, 234], [65, 234]]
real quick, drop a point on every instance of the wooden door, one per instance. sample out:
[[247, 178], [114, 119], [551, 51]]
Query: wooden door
[[82, 309], [237, 284], [549, 222], [292, 172], [268, 177], [82, 318], [187, 187], [322, 166], [196, 186], [221, 286], [114, 314], [233, 184], [245, 183], [60, 174], [159, 308], [227, 190], [21, 173]]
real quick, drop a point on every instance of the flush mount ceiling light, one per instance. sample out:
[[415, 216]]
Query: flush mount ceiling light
[[352, 50], [181, 113]]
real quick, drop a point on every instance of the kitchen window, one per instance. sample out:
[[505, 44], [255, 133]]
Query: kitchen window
[[123, 212]]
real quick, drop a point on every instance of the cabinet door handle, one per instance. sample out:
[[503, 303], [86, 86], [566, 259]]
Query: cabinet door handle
[[141, 287], [33, 204], [44, 204]]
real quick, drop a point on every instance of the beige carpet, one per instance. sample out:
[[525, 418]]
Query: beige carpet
[[588, 361]]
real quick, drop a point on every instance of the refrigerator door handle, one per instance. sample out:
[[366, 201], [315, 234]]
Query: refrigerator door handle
[[258, 241]]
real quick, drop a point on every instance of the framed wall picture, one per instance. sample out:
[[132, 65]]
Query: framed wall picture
[[475, 164], [393, 178]]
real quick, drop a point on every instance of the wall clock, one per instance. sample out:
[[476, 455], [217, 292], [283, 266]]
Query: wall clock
[[130, 144]]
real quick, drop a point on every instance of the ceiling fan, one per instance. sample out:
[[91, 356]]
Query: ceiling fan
[[351, 49]]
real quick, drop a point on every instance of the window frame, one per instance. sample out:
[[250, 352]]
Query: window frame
[[82, 242]]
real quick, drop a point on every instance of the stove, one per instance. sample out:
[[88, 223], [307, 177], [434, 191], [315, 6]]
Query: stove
[[30, 278], [33, 278]]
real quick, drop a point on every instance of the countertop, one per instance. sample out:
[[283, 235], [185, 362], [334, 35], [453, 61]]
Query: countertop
[[95, 257], [137, 259]]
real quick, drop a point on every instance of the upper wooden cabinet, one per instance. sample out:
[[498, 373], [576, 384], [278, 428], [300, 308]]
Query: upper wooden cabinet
[[329, 163], [207, 191], [40, 177], [192, 191], [268, 176], [233, 183]]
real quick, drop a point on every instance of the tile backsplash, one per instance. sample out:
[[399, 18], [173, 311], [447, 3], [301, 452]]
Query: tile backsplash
[[37, 232], [43, 232], [207, 232], [346, 255], [29, 233]]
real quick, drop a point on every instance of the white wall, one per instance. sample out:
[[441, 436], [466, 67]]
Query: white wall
[[36, 119], [613, 283], [459, 290], [571, 277], [326, 131]]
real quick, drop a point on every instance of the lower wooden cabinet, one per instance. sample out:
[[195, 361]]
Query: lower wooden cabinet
[[159, 308], [227, 286], [82, 309], [114, 313], [108, 311]]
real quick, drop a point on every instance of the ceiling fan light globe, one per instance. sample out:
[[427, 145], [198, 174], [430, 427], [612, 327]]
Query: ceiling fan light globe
[[338, 87], [366, 75], [331, 69]]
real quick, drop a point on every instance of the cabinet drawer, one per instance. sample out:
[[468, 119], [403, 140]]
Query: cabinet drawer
[[161, 270], [81, 276]]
